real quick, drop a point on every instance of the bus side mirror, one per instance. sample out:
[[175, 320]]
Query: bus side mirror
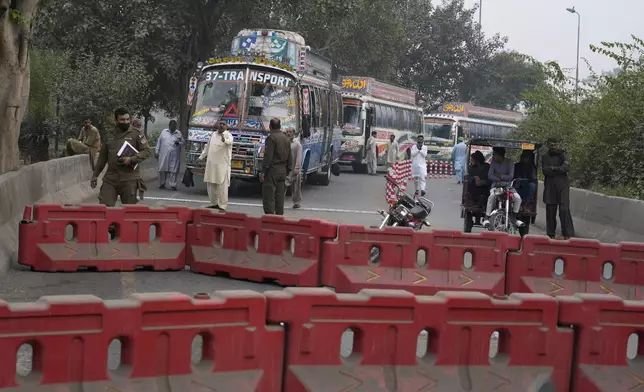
[[306, 126], [363, 114]]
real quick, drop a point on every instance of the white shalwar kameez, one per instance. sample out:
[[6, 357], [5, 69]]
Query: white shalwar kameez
[[419, 167], [218, 152]]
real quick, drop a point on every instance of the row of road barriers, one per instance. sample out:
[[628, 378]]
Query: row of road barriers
[[290, 341], [312, 252], [563, 311]]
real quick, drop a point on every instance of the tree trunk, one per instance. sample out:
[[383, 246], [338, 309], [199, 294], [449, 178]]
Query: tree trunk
[[146, 120], [15, 30], [184, 109]]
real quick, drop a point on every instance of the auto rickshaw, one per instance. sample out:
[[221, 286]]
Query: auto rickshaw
[[474, 198]]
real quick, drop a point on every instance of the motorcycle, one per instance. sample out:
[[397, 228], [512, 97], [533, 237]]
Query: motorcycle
[[502, 218], [405, 211]]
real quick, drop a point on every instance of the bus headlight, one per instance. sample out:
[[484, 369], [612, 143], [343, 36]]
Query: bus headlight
[[195, 147]]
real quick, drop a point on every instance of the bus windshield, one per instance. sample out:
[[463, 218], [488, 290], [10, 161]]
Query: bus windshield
[[270, 95], [218, 95], [352, 121], [439, 131]]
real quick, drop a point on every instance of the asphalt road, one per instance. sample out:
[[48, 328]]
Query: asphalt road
[[349, 199]]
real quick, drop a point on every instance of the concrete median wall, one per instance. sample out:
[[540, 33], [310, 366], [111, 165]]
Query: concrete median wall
[[605, 218], [64, 181]]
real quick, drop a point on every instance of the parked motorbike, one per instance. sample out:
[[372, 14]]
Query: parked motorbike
[[405, 211], [502, 218]]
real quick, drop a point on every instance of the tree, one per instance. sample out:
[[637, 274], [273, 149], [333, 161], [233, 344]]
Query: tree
[[447, 52], [604, 133], [505, 77], [66, 89], [169, 39], [15, 30]]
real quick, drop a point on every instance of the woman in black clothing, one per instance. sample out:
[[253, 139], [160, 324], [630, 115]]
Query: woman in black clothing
[[478, 185], [526, 171]]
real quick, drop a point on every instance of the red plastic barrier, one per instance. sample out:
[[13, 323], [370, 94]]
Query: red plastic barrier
[[66, 238], [70, 335], [346, 262], [257, 249], [386, 327], [604, 324], [577, 266]]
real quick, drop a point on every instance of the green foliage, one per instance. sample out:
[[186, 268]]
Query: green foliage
[[16, 17], [95, 87], [506, 77], [66, 89], [604, 133], [153, 138], [435, 49], [47, 68]]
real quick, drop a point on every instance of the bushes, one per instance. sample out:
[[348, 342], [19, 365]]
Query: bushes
[[65, 89], [604, 133]]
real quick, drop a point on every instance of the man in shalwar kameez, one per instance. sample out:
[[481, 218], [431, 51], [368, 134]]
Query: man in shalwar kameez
[[218, 153], [168, 153]]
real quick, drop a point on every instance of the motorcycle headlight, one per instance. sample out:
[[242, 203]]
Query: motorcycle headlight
[[400, 212], [498, 191]]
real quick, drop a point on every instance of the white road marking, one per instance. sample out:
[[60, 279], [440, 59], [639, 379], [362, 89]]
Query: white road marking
[[205, 203]]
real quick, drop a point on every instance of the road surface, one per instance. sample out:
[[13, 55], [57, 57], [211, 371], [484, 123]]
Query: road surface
[[350, 199]]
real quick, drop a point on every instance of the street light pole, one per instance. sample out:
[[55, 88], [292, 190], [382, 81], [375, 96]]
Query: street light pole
[[573, 11], [480, 20]]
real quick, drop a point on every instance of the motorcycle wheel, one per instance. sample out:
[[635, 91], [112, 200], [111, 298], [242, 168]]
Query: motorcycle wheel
[[374, 257], [468, 222], [497, 223]]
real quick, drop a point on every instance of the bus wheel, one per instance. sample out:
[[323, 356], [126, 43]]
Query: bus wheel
[[325, 177]]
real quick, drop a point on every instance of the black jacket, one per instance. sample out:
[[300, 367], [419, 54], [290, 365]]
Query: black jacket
[[556, 188]]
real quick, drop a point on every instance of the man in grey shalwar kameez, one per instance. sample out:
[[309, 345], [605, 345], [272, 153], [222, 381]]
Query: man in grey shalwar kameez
[[168, 152]]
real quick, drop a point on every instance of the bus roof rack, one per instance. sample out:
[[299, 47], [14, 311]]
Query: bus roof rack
[[505, 143]]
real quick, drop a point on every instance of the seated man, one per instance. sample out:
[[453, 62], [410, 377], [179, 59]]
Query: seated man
[[478, 184], [501, 174], [526, 171], [88, 142]]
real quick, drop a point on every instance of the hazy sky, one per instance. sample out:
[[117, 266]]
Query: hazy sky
[[545, 30]]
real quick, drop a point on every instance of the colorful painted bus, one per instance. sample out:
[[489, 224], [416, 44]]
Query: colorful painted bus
[[455, 120], [370, 105], [268, 74]]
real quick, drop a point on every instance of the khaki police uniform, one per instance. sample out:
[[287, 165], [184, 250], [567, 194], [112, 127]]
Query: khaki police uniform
[[88, 142], [276, 166], [121, 180]]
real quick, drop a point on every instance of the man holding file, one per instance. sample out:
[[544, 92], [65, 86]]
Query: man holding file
[[122, 152]]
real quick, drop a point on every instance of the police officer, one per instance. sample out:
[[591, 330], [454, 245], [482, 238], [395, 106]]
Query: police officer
[[122, 178], [276, 166]]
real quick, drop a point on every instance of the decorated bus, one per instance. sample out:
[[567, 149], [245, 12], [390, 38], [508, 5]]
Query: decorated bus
[[454, 120], [268, 74], [370, 105]]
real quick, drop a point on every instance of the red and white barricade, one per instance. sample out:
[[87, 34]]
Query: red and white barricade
[[400, 172], [440, 169]]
